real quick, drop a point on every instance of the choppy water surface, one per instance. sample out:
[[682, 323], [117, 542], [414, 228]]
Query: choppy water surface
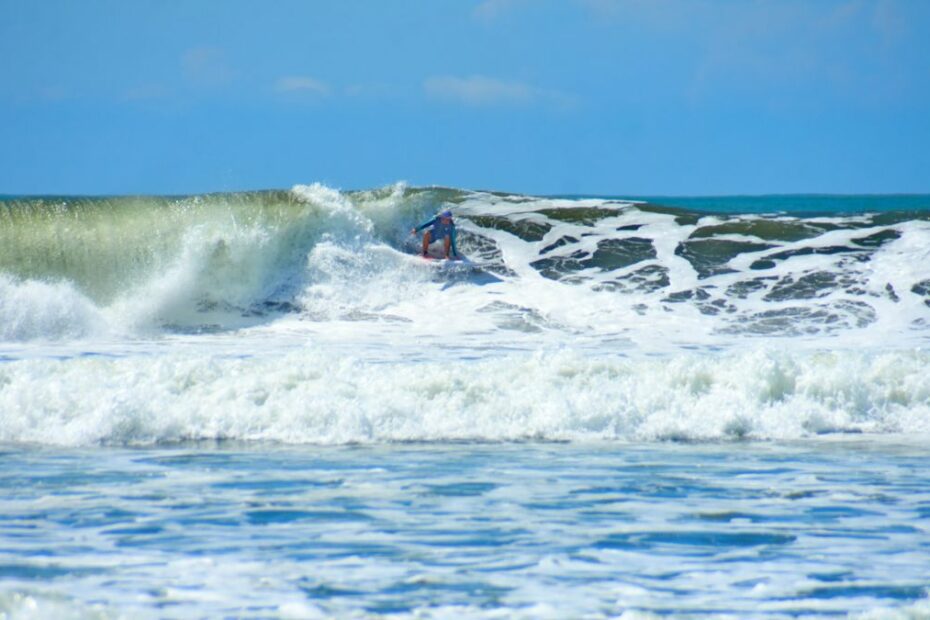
[[500, 530], [264, 405]]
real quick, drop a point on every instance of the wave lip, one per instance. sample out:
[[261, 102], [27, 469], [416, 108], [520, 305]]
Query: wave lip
[[312, 397]]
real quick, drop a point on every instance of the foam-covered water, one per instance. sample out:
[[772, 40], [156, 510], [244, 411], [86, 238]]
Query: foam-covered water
[[173, 370], [451, 531]]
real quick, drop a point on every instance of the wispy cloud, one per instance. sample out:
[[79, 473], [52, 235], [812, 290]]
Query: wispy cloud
[[54, 93], [492, 9], [145, 92], [481, 90], [372, 90], [477, 90], [656, 15], [771, 46], [790, 46], [207, 66], [302, 84]]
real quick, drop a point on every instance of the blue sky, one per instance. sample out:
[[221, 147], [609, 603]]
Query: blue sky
[[623, 97]]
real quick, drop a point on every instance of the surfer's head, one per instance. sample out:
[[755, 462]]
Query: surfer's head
[[446, 215]]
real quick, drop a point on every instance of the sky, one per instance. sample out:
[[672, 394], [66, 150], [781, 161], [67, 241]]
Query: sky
[[600, 97]]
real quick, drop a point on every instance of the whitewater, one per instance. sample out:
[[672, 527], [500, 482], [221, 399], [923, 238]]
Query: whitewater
[[264, 404]]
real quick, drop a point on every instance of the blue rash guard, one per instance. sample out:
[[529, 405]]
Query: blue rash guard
[[440, 231]]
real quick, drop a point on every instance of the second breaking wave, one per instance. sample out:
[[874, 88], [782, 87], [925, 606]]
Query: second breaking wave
[[318, 398]]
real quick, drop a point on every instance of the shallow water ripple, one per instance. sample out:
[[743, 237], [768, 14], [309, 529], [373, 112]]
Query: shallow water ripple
[[503, 530]]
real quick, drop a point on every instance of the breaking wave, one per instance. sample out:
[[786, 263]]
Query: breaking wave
[[305, 316], [227, 261], [315, 397]]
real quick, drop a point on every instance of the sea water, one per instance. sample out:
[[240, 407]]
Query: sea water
[[262, 405]]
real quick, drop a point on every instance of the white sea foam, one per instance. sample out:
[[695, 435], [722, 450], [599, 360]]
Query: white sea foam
[[319, 397], [35, 606], [34, 310], [915, 611]]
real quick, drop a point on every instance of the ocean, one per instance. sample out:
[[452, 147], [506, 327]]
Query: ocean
[[265, 405]]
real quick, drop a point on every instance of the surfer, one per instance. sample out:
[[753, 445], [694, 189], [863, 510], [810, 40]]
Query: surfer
[[441, 227]]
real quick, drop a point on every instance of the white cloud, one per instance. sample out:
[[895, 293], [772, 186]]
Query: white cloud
[[491, 9], [143, 92], [655, 15], [207, 66], [774, 47], [482, 90], [54, 93], [302, 84], [373, 90]]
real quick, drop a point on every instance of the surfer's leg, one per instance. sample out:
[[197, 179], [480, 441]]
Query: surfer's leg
[[447, 242], [427, 237]]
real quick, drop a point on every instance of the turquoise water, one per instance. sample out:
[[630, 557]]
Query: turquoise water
[[262, 405], [797, 203]]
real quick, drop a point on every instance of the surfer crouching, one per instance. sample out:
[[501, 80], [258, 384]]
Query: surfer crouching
[[441, 228]]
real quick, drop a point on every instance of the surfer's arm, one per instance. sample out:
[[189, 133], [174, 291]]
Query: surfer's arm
[[455, 251], [426, 224]]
